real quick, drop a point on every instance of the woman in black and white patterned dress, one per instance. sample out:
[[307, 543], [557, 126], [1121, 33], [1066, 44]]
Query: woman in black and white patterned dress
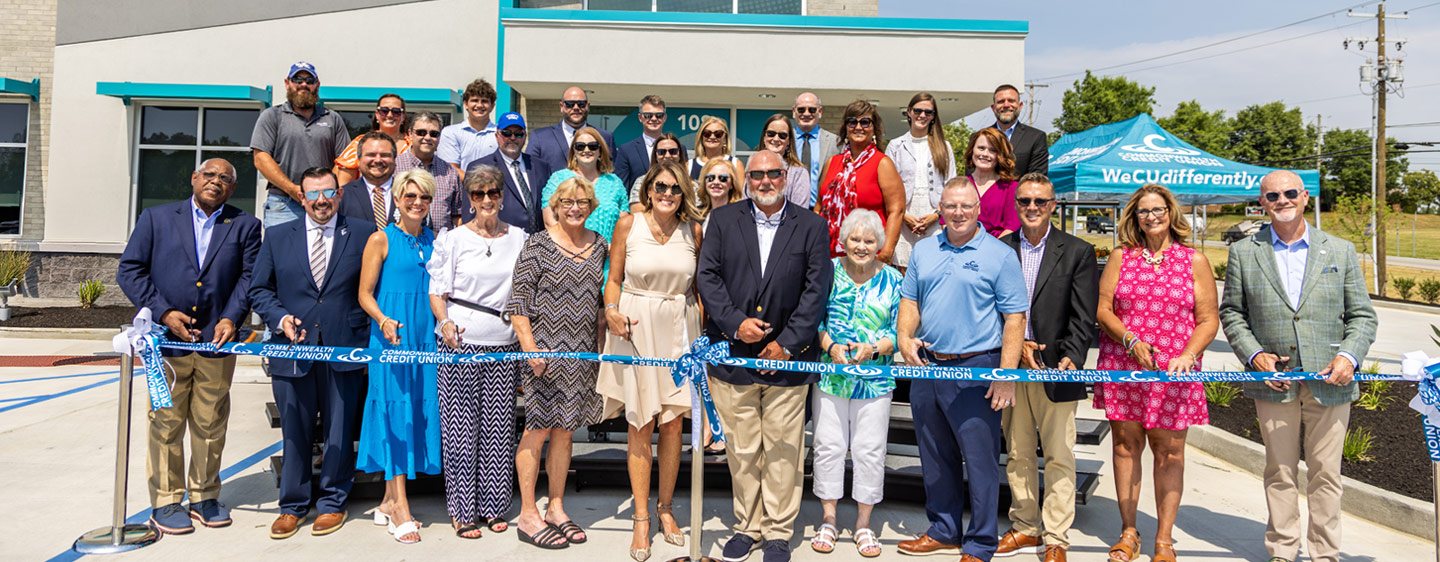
[[470, 282], [556, 307]]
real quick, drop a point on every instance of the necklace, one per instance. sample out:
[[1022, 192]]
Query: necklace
[[490, 238], [1153, 259]]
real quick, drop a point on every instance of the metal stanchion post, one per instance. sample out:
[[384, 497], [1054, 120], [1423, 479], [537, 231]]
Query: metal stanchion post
[[697, 479], [118, 536]]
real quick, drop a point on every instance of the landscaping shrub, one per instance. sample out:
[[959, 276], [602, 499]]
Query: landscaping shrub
[[89, 292], [1404, 286], [1430, 290]]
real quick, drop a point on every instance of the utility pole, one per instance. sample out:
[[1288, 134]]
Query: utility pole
[[1319, 148], [1387, 72], [1030, 109]]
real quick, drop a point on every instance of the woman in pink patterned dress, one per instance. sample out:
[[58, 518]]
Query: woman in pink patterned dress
[[1159, 308]]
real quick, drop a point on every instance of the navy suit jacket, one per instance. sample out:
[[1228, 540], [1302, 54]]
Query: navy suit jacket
[[514, 212], [632, 162], [356, 204], [791, 296], [549, 144], [330, 315], [159, 268]]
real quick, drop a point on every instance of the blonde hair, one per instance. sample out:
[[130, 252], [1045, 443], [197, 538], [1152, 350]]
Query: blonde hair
[[602, 163], [1128, 230], [421, 178], [576, 185], [688, 211], [736, 191], [700, 136]]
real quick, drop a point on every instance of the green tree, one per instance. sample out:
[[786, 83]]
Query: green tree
[[1207, 130], [1271, 135], [1100, 100], [1420, 190], [958, 135], [1346, 170]]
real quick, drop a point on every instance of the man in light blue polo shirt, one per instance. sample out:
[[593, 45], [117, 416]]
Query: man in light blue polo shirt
[[463, 143], [963, 304]]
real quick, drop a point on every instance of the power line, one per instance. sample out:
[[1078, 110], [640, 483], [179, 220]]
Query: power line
[[1206, 46], [1243, 48]]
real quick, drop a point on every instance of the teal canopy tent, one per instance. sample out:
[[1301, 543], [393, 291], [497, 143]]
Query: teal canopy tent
[[1114, 160]]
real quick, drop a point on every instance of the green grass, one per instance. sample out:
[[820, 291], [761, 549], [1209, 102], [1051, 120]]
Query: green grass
[[1357, 445], [1221, 393]]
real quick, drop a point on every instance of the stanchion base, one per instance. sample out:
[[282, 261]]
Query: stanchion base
[[100, 540]]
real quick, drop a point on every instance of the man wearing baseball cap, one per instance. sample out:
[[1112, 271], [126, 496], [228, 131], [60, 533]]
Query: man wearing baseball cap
[[525, 176], [293, 137]]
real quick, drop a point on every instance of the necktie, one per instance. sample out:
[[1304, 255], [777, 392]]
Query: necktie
[[522, 184], [377, 204], [805, 152], [318, 260]]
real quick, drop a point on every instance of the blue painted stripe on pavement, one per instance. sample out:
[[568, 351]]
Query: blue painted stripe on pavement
[[57, 377], [17, 399], [57, 395], [225, 474]]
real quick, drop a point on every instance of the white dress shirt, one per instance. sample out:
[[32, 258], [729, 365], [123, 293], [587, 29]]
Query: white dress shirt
[[765, 227], [569, 134]]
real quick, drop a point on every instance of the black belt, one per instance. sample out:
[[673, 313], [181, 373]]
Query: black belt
[[482, 308]]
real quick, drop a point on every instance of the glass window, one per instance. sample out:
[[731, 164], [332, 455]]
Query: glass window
[[13, 122], [14, 125], [789, 7], [702, 6], [624, 5], [175, 140]]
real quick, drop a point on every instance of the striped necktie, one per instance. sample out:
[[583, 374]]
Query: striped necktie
[[377, 204], [318, 260]]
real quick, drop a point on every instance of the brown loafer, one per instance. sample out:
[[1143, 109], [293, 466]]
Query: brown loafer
[[970, 558], [925, 546], [1054, 553], [328, 523], [1014, 542], [285, 526]]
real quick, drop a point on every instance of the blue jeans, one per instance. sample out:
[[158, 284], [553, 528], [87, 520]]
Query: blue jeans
[[280, 209]]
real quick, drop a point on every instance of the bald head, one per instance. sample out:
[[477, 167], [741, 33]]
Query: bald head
[[213, 183], [575, 106], [1283, 196], [766, 191], [806, 111]]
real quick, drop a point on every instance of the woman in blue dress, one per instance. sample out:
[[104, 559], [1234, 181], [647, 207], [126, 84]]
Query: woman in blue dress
[[400, 428]]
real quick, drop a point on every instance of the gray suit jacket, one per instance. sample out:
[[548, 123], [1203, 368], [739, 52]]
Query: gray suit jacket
[[1334, 309]]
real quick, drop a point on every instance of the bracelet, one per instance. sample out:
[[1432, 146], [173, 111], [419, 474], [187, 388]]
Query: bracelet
[[444, 322], [609, 306], [383, 321], [831, 349]]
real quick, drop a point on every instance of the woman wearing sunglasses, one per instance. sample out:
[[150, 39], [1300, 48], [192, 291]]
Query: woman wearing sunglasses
[[778, 136], [861, 177], [389, 118], [590, 159], [712, 142], [400, 428], [667, 149], [720, 185], [655, 314], [925, 162], [471, 272]]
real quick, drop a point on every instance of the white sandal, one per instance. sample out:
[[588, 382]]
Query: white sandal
[[404, 529], [865, 538], [824, 539], [381, 519]]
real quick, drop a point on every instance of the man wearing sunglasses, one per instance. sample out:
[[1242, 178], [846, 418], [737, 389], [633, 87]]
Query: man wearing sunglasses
[[525, 177], [292, 137], [813, 144], [425, 134], [189, 262], [633, 158], [463, 143], [1295, 298], [552, 144], [1028, 144]]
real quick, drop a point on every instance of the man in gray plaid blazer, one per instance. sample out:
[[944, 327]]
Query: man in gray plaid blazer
[[1295, 298]]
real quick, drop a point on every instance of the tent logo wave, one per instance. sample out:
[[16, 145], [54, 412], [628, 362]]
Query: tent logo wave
[[1151, 145]]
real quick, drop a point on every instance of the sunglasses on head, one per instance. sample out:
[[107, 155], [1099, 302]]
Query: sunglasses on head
[[663, 188], [304, 80], [667, 152], [806, 109], [713, 134], [717, 177], [863, 122], [422, 133], [648, 115], [314, 195], [1037, 201], [1291, 194], [390, 110], [761, 174], [584, 146], [925, 112], [782, 135], [492, 193], [572, 104], [507, 133]]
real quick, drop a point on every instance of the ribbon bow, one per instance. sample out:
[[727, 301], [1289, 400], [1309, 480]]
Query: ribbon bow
[[1416, 366], [142, 339], [689, 369]]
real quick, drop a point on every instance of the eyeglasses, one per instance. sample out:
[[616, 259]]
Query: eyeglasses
[[717, 177], [863, 122], [1037, 201], [648, 116], [712, 134], [586, 146], [667, 152], [1291, 194], [663, 188], [950, 207], [507, 133], [390, 110], [494, 193], [782, 135], [224, 178], [422, 133], [577, 203], [573, 104], [921, 112], [421, 196], [1157, 212], [304, 80], [758, 175], [802, 110], [315, 194]]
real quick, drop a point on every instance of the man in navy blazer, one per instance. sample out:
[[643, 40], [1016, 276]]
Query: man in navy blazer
[[306, 288], [764, 276], [189, 262], [377, 170], [552, 144], [633, 158], [522, 206]]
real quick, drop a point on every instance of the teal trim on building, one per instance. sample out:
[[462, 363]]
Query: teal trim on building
[[224, 92], [368, 94], [502, 89], [1005, 27], [13, 86]]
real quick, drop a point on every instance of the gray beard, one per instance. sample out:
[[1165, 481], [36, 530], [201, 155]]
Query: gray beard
[[764, 200]]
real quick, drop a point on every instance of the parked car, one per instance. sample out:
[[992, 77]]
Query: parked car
[[1241, 230], [1102, 224]]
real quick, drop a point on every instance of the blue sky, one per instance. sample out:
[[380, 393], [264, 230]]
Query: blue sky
[[1304, 65]]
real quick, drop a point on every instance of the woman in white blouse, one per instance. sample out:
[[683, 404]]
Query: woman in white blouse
[[925, 162], [470, 273]]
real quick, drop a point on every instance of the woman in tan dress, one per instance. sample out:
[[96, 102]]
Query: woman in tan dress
[[652, 311]]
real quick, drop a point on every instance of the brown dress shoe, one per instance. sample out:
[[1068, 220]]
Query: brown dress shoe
[[328, 523], [925, 546], [284, 526], [970, 558], [1054, 553], [1014, 542]]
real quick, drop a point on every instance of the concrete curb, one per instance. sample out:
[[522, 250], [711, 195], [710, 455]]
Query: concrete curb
[[96, 334], [1402, 513]]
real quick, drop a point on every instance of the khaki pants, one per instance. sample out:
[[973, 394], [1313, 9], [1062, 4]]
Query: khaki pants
[[1034, 414], [200, 391], [1324, 439], [765, 441]]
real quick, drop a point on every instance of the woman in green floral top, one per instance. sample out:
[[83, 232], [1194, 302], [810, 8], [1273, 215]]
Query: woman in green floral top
[[852, 412]]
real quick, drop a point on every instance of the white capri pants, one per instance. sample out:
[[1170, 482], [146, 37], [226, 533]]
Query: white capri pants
[[859, 426]]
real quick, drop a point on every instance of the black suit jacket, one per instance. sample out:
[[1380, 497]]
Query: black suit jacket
[[1063, 307], [513, 210], [632, 161], [356, 204], [791, 296], [1032, 150]]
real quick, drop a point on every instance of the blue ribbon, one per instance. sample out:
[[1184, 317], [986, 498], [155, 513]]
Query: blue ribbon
[[1415, 366], [690, 369], [154, 364]]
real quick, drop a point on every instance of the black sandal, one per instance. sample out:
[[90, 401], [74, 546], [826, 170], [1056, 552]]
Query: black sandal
[[710, 447], [572, 532], [467, 528], [497, 524], [544, 538]]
